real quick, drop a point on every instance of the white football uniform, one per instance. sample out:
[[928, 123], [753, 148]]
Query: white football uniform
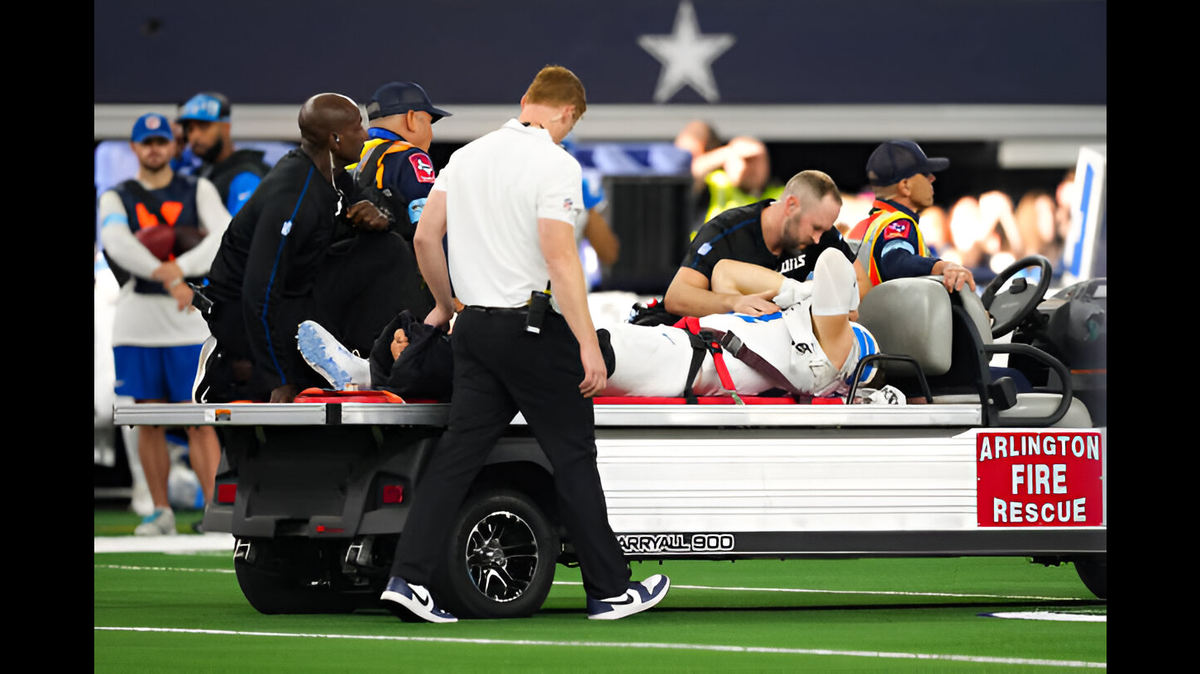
[[654, 360]]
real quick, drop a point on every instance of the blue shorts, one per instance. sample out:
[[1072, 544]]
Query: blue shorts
[[156, 372]]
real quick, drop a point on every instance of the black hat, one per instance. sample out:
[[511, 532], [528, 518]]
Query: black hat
[[896, 160], [397, 98]]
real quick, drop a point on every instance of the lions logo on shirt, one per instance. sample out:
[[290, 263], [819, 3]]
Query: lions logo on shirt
[[422, 166]]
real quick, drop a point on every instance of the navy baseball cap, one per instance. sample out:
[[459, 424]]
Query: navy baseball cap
[[896, 160], [397, 98], [151, 125], [207, 107]]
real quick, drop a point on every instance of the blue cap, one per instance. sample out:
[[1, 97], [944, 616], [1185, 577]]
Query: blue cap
[[896, 160], [397, 98], [151, 125], [206, 107]]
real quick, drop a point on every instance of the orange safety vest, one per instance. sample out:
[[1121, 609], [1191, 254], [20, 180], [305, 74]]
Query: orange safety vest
[[865, 261]]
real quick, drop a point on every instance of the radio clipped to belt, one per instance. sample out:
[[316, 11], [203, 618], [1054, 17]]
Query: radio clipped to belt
[[539, 301]]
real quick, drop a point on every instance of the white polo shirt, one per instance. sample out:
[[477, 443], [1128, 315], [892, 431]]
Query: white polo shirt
[[497, 187]]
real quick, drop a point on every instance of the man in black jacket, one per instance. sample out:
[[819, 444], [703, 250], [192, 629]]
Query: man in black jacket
[[263, 281]]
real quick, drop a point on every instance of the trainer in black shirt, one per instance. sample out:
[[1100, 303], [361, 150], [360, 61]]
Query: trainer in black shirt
[[787, 236]]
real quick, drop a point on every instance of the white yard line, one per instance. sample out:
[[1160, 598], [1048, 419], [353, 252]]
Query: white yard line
[[889, 593], [178, 543], [868, 592], [651, 645]]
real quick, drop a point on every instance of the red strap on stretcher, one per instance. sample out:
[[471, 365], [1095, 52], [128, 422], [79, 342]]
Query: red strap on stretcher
[[692, 325]]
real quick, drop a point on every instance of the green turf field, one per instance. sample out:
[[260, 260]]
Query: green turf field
[[183, 612]]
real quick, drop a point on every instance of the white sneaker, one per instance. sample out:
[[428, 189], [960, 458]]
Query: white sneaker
[[638, 598], [416, 599], [330, 359], [206, 350], [159, 523]]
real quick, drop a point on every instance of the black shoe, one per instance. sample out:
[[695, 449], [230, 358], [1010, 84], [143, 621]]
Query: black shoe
[[198, 526]]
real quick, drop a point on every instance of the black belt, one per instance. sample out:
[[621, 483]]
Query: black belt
[[498, 310]]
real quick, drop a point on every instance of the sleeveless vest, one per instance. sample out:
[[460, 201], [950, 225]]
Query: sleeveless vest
[[368, 179], [170, 206], [865, 260]]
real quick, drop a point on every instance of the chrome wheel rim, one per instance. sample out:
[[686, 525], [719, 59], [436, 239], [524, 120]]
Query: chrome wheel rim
[[501, 556]]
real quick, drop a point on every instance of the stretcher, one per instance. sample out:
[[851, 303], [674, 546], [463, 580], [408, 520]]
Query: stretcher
[[316, 493]]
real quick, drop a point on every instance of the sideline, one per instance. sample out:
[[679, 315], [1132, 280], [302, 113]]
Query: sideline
[[177, 543], [652, 645]]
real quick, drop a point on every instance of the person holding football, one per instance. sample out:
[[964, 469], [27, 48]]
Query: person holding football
[[158, 230]]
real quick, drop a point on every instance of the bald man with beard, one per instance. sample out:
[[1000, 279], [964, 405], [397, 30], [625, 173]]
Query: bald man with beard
[[263, 281]]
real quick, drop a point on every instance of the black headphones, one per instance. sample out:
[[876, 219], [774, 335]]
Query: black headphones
[[336, 139]]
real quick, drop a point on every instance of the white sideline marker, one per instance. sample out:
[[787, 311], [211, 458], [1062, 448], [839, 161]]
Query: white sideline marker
[[868, 592], [664, 646], [124, 567]]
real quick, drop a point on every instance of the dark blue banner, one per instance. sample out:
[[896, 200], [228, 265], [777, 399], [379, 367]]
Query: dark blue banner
[[625, 51]]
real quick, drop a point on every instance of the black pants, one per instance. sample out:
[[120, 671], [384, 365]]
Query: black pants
[[500, 369]]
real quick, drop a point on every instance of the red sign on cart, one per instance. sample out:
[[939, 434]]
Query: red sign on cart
[[1040, 479]]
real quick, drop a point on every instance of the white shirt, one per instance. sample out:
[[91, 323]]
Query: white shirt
[[497, 187], [155, 320]]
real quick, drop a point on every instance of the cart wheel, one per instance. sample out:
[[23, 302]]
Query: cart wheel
[[289, 577], [500, 557], [1093, 571]]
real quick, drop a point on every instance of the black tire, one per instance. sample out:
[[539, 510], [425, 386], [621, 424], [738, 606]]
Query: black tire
[[291, 577], [1093, 571], [499, 561]]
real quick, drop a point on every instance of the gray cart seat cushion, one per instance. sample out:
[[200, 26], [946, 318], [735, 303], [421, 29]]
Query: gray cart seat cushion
[[911, 317]]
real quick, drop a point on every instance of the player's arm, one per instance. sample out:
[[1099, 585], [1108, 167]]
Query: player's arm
[[557, 240], [214, 218], [600, 235], [431, 257], [742, 278], [119, 241], [559, 205], [689, 295]]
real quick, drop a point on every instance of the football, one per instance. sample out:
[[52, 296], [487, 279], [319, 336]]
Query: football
[[187, 238], [159, 239]]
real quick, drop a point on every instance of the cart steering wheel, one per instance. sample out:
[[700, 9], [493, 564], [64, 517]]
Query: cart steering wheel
[[1011, 307]]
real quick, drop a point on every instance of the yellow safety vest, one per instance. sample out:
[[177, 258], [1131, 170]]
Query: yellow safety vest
[[866, 252], [397, 146], [724, 195]]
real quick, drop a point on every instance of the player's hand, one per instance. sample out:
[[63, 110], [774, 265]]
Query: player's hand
[[439, 316], [756, 305], [399, 343], [955, 276], [284, 394], [167, 272], [182, 293], [595, 373], [365, 215]]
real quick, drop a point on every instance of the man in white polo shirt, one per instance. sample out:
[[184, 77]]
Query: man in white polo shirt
[[508, 204]]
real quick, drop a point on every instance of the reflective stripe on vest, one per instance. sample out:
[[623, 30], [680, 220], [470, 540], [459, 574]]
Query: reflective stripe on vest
[[397, 146], [866, 252]]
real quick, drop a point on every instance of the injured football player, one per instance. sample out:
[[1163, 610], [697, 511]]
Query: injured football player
[[809, 348]]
